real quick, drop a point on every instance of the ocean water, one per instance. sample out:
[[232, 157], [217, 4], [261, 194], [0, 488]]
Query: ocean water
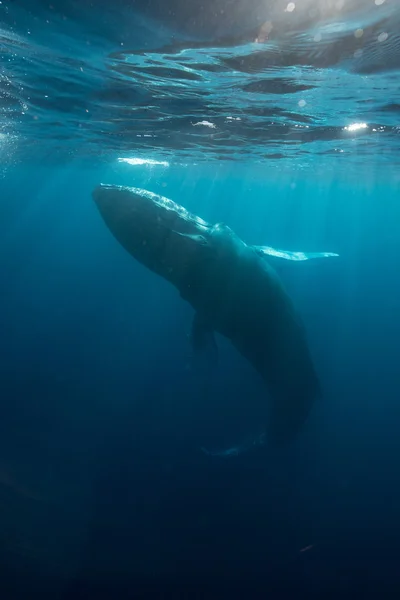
[[280, 120]]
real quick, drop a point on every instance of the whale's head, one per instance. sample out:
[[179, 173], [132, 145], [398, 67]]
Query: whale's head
[[155, 230]]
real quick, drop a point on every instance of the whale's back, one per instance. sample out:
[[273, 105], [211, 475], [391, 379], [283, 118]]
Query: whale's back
[[246, 302]]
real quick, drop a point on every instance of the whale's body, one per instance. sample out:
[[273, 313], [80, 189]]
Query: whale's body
[[232, 288]]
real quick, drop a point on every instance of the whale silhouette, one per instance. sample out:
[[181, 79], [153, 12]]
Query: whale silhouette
[[232, 288]]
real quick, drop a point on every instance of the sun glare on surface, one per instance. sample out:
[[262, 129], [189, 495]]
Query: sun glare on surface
[[143, 161], [356, 126]]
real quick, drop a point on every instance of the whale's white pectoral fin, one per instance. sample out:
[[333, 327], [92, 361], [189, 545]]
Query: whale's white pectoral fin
[[265, 251]]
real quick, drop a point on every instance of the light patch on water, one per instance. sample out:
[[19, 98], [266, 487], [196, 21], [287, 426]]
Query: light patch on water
[[144, 161], [205, 124], [356, 126], [8, 145]]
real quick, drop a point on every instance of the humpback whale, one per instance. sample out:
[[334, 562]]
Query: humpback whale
[[232, 288]]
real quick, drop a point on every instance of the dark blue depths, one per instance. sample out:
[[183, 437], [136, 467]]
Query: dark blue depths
[[102, 481]]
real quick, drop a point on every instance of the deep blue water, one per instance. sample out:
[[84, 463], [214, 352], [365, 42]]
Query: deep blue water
[[104, 490]]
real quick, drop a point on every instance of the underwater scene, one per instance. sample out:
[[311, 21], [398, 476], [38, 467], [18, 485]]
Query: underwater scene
[[200, 299]]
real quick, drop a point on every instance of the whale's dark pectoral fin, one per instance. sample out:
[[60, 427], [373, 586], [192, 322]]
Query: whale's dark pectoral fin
[[203, 341], [268, 251]]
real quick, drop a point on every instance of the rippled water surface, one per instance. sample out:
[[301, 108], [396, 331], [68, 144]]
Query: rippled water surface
[[272, 81], [135, 447]]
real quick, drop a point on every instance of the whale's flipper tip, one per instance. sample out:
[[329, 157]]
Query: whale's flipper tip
[[268, 251]]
